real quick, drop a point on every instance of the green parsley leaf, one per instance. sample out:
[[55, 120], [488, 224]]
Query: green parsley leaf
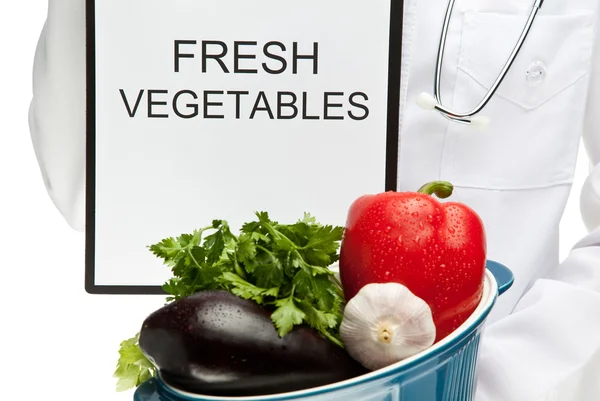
[[215, 244], [219, 242], [272, 292], [269, 275], [322, 247], [133, 367], [196, 256], [318, 319], [167, 249], [286, 315], [209, 278], [315, 288], [185, 240], [246, 252], [322, 321], [180, 267], [308, 219], [244, 289]]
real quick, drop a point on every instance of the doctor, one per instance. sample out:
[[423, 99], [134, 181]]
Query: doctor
[[543, 340]]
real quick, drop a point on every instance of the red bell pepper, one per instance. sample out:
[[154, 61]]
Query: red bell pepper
[[437, 250]]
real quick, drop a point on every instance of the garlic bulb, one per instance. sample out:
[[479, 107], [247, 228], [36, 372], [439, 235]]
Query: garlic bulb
[[386, 323]]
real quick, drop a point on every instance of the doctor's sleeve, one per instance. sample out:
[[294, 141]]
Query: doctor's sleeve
[[57, 111], [548, 349]]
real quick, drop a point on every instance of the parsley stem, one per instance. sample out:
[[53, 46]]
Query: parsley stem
[[237, 267], [265, 250], [315, 243], [198, 237], [189, 251], [336, 281], [314, 270], [333, 339], [188, 248], [278, 234], [338, 287], [201, 231], [193, 285]]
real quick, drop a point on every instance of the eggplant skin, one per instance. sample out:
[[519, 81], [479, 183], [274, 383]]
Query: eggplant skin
[[215, 343]]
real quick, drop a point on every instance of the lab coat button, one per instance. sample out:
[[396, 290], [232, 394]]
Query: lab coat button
[[536, 73]]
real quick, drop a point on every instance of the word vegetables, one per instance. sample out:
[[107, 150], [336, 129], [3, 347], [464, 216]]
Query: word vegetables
[[273, 59]]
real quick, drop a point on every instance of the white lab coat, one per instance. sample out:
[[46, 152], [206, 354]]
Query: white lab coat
[[542, 342]]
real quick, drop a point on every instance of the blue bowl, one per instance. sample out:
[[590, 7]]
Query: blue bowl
[[444, 372]]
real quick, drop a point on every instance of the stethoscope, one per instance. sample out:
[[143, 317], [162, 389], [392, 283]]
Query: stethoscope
[[434, 102]]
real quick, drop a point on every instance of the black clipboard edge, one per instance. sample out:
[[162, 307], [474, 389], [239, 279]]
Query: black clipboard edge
[[394, 78], [392, 141], [90, 189]]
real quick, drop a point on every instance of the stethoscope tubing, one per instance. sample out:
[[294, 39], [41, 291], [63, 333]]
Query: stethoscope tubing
[[466, 117]]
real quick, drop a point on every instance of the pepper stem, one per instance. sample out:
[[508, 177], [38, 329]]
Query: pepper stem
[[442, 189]]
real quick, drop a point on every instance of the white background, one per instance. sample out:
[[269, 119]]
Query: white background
[[55, 340]]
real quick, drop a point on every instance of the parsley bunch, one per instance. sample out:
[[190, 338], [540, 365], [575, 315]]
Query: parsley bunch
[[282, 267]]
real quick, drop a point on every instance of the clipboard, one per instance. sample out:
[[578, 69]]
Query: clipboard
[[216, 109]]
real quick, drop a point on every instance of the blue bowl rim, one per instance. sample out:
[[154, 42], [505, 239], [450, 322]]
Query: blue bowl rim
[[371, 377]]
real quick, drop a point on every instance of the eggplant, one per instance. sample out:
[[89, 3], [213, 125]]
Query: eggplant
[[215, 343]]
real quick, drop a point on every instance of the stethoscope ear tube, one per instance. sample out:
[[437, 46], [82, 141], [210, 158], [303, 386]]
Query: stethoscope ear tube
[[434, 102]]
